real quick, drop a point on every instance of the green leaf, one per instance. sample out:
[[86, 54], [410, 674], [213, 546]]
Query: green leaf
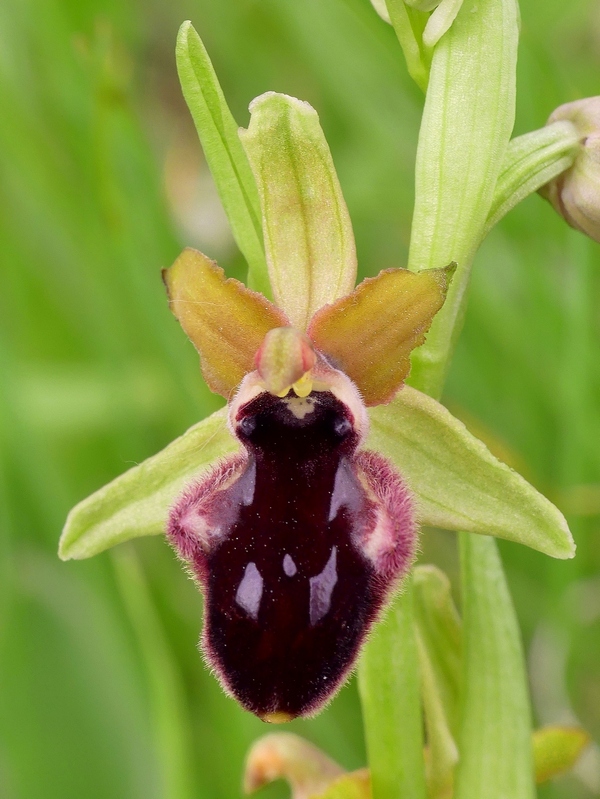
[[459, 483], [439, 640], [496, 759], [388, 682], [531, 161], [225, 156], [556, 750], [137, 503], [308, 234], [467, 123]]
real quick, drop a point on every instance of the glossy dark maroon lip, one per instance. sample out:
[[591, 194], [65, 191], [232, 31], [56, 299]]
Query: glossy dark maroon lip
[[296, 545]]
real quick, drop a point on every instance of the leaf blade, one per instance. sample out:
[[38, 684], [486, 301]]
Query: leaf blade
[[388, 684], [496, 757]]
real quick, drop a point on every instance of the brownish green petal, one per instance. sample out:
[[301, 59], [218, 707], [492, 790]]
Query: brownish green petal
[[225, 321], [370, 333]]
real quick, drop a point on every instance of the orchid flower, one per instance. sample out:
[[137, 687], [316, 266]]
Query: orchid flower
[[296, 508]]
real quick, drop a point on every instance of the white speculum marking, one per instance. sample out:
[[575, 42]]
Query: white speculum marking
[[249, 484], [250, 590], [289, 567], [300, 406], [321, 588], [343, 491]]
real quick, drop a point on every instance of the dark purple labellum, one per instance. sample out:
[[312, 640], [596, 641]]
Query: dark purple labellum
[[296, 545]]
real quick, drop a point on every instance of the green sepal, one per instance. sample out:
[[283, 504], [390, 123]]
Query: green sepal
[[137, 503], [496, 759], [308, 235], [460, 485], [225, 156]]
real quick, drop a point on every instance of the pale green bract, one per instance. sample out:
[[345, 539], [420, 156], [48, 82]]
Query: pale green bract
[[531, 161], [466, 126]]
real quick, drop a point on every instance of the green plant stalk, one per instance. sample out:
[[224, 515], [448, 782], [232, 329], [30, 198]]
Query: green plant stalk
[[496, 759], [531, 161], [466, 127], [389, 685]]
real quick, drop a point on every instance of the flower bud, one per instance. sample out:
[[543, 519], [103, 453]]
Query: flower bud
[[575, 194]]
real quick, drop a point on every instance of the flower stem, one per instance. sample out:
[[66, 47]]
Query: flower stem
[[390, 696], [496, 757], [465, 131]]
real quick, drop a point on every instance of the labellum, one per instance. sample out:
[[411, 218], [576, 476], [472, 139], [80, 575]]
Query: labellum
[[296, 543]]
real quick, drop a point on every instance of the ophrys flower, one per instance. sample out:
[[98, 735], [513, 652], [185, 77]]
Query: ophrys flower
[[297, 521]]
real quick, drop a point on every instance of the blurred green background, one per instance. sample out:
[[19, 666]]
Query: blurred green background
[[103, 694]]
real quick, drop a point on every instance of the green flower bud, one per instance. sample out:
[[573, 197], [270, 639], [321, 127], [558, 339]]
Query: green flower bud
[[575, 193]]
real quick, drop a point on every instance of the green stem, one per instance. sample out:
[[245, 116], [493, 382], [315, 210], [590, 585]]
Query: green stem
[[390, 695], [496, 758], [408, 24], [466, 127], [531, 161]]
